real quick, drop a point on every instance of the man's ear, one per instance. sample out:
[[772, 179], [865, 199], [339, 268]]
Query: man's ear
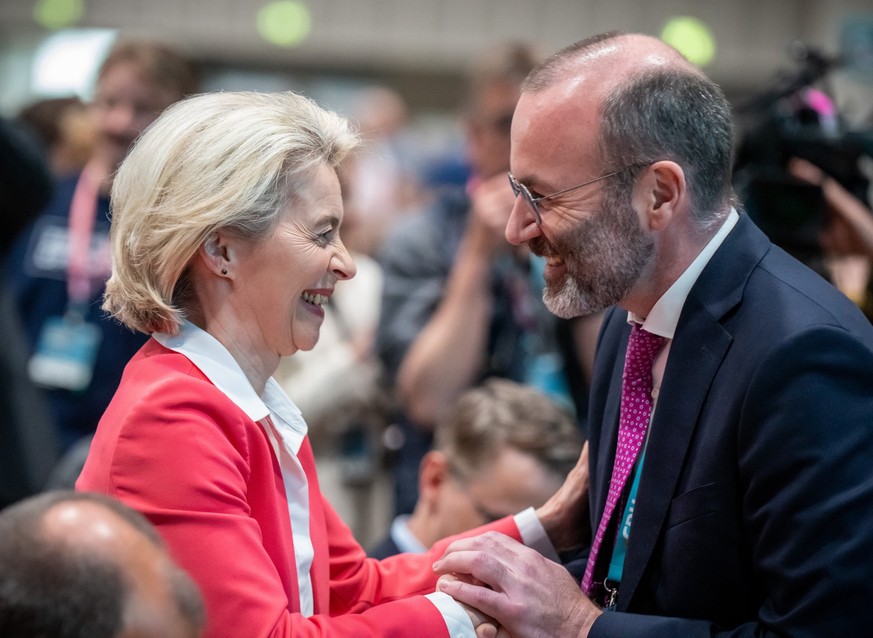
[[433, 472], [214, 254], [662, 191]]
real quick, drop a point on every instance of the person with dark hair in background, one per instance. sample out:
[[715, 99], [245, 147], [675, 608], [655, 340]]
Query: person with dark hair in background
[[64, 128], [502, 447], [28, 445], [57, 267], [83, 565], [729, 430], [25, 182], [459, 304]]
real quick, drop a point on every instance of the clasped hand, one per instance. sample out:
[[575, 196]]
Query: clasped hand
[[512, 590]]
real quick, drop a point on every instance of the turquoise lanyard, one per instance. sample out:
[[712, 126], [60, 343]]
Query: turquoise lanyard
[[619, 551]]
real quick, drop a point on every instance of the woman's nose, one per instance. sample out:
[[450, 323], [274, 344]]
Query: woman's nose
[[344, 264]]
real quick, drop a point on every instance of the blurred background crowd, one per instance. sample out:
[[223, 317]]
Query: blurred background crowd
[[440, 303]]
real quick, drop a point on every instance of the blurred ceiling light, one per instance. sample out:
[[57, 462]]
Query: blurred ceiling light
[[57, 14], [66, 62], [284, 23], [692, 37]]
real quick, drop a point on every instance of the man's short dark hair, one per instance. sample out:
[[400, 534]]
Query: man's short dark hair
[[672, 114]]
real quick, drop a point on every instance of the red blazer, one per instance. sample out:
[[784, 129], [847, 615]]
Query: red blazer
[[177, 449]]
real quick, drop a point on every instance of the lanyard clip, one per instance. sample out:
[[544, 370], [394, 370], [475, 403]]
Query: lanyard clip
[[611, 598]]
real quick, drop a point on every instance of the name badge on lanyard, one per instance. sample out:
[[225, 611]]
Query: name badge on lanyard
[[66, 349]]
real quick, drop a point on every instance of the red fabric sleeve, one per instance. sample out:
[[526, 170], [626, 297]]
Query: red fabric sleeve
[[177, 449]]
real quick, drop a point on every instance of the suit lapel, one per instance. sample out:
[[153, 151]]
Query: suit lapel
[[608, 438], [687, 379], [696, 352]]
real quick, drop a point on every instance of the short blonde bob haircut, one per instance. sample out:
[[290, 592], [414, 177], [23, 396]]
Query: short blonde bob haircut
[[218, 161]]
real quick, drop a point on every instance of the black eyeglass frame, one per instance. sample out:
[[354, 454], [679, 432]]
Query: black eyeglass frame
[[520, 189]]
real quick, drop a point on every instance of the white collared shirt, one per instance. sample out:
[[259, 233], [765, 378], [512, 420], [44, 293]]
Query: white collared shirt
[[406, 541], [664, 315], [286, 430]]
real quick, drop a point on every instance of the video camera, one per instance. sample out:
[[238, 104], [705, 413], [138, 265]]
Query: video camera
[[793, 119]]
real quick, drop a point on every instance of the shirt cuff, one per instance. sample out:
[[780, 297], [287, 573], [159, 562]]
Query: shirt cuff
[[457, 621], [533, 534]]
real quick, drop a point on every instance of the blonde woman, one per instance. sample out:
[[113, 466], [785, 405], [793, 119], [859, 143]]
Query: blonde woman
[[226, 247]]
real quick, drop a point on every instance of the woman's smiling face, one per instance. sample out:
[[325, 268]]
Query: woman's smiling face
[[284, 280]]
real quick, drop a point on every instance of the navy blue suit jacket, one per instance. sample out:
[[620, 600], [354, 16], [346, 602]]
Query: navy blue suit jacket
[[754, 515]]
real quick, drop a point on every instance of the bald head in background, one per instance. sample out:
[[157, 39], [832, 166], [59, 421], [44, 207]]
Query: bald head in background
[[84, 565]]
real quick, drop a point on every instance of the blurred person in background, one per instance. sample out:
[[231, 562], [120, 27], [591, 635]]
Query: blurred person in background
[[459, 304], [28, 443], [846, 237], [65, 129], [57, 268], [226, 248], [83, 565], [800, 172], [382, 186], [502, 448]]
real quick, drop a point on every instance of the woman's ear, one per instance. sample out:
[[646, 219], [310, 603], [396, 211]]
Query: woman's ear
[[663, 192], [214, 254]]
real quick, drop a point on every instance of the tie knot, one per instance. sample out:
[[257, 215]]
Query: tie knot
[[642, 348]]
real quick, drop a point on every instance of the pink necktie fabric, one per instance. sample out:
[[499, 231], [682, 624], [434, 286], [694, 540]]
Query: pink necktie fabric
[[636, 409]]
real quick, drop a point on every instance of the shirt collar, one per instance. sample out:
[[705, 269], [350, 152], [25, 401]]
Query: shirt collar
[[664, 315], [214, 361], [403, 537]]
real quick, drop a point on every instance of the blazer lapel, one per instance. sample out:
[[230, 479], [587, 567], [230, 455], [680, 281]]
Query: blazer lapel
[[689, 374], [608, 436], [698, 348]]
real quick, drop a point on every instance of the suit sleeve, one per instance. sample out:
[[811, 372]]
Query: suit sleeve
[[804, 451]]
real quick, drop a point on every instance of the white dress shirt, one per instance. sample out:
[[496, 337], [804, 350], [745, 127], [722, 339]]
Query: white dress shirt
[[664, 315]]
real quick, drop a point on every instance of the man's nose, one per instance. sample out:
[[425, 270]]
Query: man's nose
[[522, 225]]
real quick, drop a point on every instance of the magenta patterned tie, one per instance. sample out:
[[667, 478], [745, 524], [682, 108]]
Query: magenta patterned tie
[[636, 408]]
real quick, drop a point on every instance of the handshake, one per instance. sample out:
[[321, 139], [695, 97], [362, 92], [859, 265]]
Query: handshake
[[511, 590]]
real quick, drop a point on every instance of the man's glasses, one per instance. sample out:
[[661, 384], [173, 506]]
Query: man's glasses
[[520, 189]]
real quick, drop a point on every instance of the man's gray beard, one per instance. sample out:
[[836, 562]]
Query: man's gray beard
[[609, 257], [567, 300]]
